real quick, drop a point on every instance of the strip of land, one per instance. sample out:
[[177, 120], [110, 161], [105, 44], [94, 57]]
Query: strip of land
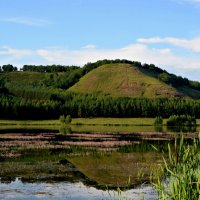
[[90, 121]]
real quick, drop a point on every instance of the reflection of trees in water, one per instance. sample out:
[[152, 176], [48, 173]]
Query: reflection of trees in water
[[65, 129], [181, 128], [158, 128]]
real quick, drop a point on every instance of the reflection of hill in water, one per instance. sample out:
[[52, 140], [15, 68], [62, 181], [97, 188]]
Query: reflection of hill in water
[[119, 170], [103, 172], [71, 174]]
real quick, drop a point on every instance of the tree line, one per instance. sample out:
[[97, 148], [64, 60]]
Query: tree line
[[94, 105], [157, 72]]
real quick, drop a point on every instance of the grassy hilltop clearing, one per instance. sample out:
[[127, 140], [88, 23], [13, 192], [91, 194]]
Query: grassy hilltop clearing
[[106, 88], [126, 80]]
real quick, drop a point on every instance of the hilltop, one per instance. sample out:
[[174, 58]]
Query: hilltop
[[128, 80]]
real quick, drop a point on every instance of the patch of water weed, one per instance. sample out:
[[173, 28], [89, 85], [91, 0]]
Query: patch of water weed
[[144, 146]]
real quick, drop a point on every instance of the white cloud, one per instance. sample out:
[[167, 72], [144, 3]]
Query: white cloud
[[138, 52], [26, 21], [192, 44], [162, 57], [17, 53]]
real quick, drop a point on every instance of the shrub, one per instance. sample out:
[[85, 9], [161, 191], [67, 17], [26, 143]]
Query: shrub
[[62, 119], [182, 120], [65, 120], [68, 119]]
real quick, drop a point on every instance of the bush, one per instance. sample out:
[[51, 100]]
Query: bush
[[65, 120], [62, 119], [68, 119], [182, 120]]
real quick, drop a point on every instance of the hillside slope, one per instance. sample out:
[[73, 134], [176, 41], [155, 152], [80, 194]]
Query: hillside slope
[[126, 80]]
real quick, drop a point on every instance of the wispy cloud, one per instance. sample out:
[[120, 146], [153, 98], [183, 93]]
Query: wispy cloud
[[17, 53], [89, 46], [26, 21], [192, 44], [194, 1], [197, 2]]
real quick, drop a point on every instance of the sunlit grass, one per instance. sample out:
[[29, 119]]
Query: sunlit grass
[[89, 121]]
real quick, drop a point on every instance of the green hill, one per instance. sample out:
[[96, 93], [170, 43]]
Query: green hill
[[128, 80], [47, 92], [118, 78]]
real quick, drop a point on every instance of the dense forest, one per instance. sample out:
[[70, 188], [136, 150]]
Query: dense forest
[[49, 99], [94, 105]]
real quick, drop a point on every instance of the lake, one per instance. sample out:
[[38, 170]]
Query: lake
[[90, 162]]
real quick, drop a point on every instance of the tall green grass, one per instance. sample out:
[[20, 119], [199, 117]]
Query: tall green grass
[[182, 181]]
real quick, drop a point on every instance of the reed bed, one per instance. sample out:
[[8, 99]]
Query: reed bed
[[182, 177]]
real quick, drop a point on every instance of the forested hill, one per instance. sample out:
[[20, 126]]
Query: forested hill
[[113, 77], [107, 88]]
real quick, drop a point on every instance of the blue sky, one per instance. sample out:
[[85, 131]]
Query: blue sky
[[163, 32]]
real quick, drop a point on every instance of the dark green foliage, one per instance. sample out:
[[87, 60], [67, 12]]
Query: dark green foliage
[[8, 68], [145, 146], [90, 66], [65, 120], [48, 68], [62, 119], [93, 105], [181, 120], [2, 82], [165, 77], [68, 119], [3, 89], [194, 84], [65, 129]]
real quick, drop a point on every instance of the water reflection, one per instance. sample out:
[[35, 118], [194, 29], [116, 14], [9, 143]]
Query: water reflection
[[93, 128], [65, 190]]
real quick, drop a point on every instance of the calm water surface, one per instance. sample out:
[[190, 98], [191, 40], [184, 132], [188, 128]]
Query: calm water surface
[[81, 175], [74, 191]]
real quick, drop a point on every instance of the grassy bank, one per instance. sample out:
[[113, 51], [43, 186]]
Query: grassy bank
[[90, 121], [84, 121]]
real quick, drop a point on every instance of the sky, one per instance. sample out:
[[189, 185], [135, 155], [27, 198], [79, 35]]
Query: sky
[[74, 32]]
